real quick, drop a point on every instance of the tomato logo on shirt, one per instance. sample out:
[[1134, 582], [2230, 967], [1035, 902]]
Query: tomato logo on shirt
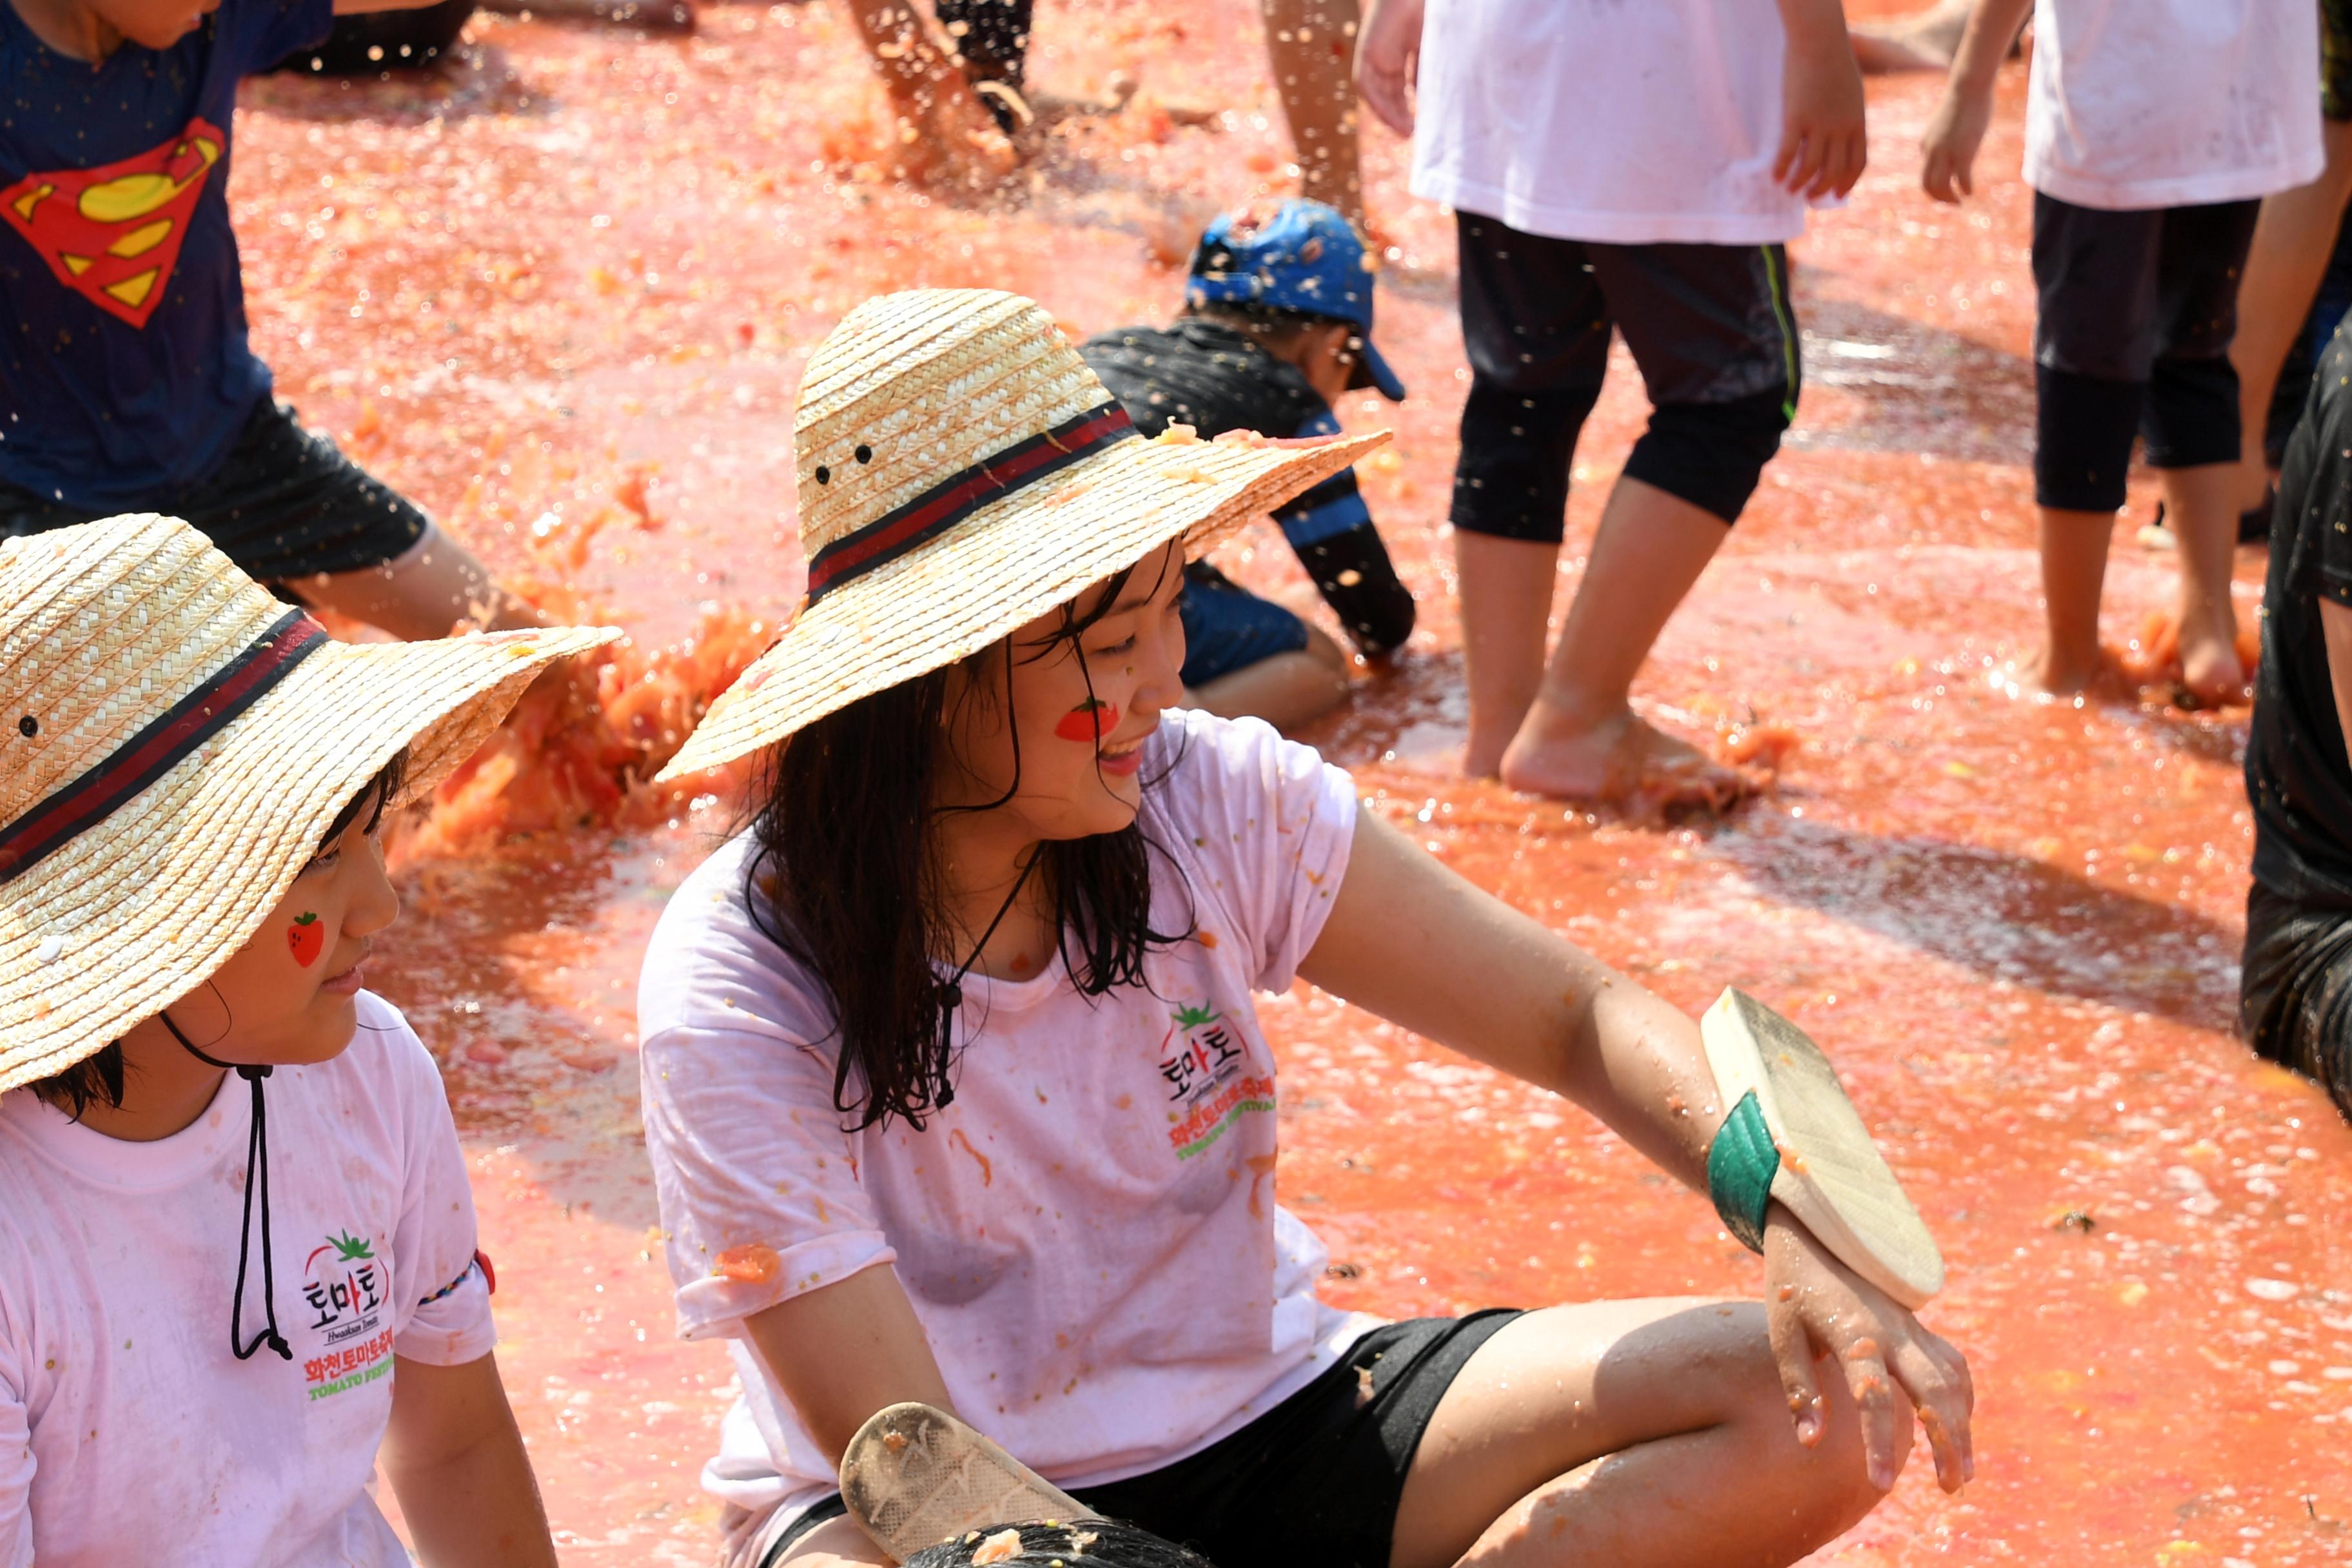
[[113, 234], [348, 1286], [1209, 1086]]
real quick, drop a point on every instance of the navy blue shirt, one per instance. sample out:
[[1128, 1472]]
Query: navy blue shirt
[[124, 368]]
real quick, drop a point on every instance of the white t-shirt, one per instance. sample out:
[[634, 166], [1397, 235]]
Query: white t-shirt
[[128, 1432], [2170, 103], [1621, 121], [1088, 1233]]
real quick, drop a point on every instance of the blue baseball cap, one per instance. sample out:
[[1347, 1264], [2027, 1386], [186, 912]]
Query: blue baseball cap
[[1301, 257]]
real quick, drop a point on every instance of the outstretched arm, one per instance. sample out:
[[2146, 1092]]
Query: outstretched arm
[[1412, 941], [457, 1463]]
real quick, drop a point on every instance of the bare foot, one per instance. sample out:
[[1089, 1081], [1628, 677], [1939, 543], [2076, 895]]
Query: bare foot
[[1622, 760], [2210, 672], [2059, 675], [1482, 757]]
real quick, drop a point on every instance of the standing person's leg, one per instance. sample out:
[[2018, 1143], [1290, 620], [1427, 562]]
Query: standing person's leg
[[1311, 44], [2190, 425], [1713, 329], [2290, 253], [943, 128], [1537, 334], [2095, 273]]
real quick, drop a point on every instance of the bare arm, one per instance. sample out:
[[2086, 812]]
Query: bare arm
[[844, 1350], [1823, 143], [841, 1352], [455, 1461], [1411, 940], [2336, 625], [1387, 56], [1957, 127]]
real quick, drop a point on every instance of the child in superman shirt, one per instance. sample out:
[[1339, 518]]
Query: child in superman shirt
[[126, 381], [1278, 325]]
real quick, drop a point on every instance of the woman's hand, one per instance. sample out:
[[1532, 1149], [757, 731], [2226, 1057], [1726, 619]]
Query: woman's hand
[[1949, 149], [1818, 1307]]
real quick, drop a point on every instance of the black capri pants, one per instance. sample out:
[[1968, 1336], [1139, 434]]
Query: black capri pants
[[2132, 336], [1710, 327]]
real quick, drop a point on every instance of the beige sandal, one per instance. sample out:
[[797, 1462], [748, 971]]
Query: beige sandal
[[915, 1475]]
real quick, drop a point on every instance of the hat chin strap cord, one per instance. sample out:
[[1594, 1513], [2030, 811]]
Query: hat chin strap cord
[[256, 1159]]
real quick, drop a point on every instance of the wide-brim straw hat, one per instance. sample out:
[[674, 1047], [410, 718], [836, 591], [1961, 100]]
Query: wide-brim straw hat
[[961, 473], [174, 742]]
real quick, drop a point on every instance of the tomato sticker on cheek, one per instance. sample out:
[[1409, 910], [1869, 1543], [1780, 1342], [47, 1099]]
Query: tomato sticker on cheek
[[308, 939], [1089, 721]]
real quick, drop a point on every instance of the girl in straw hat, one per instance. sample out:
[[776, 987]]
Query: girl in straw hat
[[217, 1303], [955, 1094]]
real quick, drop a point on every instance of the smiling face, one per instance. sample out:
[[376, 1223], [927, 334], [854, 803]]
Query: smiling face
[[286, 997], [1052, 725]]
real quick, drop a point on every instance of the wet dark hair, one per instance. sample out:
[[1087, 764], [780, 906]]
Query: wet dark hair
[[97, 1079], [846, 880], [1082, 1543]]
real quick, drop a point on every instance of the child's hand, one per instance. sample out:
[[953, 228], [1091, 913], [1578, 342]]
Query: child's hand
[[1823, 144], [1818, 1308], [1387, 58], [1950, 148]]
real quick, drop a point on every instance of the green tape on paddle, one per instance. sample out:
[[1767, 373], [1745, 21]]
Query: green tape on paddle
[[1740, 1165], [1793, 1138]]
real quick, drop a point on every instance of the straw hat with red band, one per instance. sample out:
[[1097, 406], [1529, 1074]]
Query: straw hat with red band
[[173, 743], [961, 472]]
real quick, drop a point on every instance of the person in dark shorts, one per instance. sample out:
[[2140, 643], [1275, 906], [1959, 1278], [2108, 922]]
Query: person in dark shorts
[[2153, 130], [2295, 997], [128, 381], [1589, 199], [1314, 1479], [1278, 325]]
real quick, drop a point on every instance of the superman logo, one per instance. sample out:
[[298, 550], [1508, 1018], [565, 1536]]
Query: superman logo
[[113, 234]]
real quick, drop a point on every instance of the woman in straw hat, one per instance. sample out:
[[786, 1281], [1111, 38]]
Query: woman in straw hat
[[972, 999], [216, 1305]]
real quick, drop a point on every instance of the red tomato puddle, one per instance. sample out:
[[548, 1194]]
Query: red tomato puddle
[[562, 294]]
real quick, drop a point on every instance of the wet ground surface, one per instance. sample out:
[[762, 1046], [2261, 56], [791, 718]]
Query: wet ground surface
[[562, 294]]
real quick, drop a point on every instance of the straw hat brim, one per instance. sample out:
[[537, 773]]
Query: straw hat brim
[[142, 907], [1003, 567]]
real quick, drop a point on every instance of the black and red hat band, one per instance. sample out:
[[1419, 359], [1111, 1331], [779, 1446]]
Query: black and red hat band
[[158, 745], [993, 479]]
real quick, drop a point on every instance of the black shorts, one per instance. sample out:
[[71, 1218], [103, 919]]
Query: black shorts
[[2131, 337], [2295, 996], [285, 503], [1711, 328], [1314, 1480]]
